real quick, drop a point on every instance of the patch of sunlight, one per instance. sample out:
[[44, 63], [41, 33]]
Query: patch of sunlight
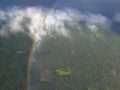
[[62, 72], [92, 88], [42, 79], [21, 52], [108, 88]]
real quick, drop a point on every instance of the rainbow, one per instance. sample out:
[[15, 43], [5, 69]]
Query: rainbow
[[30, 55]]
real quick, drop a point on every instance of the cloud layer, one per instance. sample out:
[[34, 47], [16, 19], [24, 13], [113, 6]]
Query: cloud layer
[[27, 20]]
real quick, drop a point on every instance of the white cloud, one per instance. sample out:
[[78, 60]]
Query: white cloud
[[20, 20]]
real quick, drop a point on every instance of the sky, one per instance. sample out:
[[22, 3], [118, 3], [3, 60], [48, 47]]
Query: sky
[[107, 7], [90, 5]]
